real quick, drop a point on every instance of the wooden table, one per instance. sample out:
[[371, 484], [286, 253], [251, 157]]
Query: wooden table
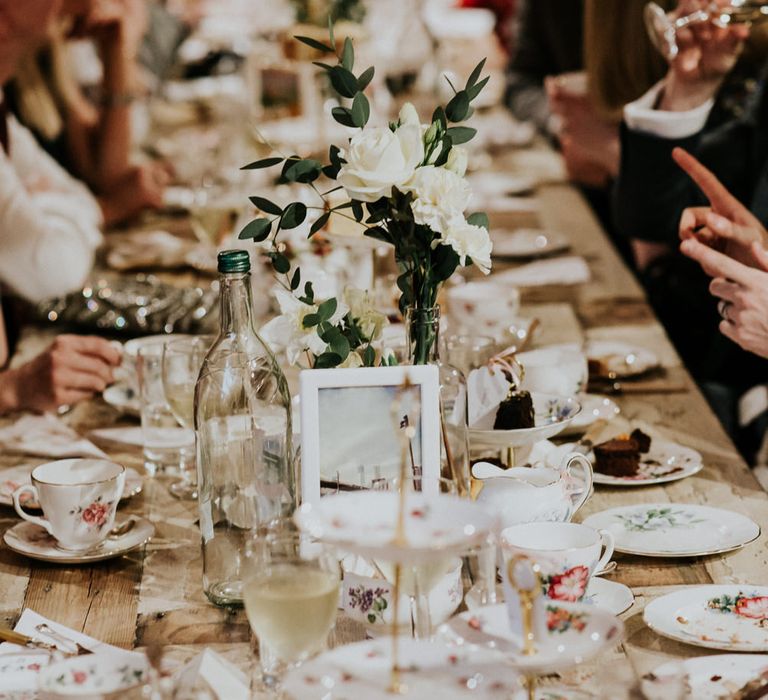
[[155, 596]]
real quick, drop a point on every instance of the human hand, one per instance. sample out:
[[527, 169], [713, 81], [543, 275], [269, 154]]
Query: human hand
[[743, 293], [726, 225], [73, 368], [117, 20], [707, 53], [140, 188]]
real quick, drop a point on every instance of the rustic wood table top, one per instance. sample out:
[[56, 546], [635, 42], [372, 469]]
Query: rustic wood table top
[[154, 595]]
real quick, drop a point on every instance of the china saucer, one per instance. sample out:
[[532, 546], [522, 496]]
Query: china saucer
[[92, 676], [528, 243], [576, 632], [704, 677], [731, 618], [675, 529], [428, 670], [12, 478], [33, 541]]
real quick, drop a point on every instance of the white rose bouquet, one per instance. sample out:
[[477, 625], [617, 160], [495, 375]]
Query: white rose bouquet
[[405, 184]]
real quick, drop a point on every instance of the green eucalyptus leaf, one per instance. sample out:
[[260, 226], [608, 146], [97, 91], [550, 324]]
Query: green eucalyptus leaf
[[327, 309], [314, 43], [357, 210], [439, 116], [479, 219], [294, 215], [321, 221], [322, 65], [348, 55], [461, 134], [330, 30], [303, 170], [310, 320], [331, 171], [280, 263], [343, 81], [258, 230], [263, 163], [369, 356], [334, 155], [378, 233], [445, 260], [343, 116], [340, 345], [296, 279], [456, 110], [327, 360], [361, 110], [365, 78], [266, 206], [475, 74], [309, 294], [475, 90]]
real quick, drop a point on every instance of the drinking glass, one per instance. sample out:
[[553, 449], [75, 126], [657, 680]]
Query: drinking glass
[[663, 27], [182, 360], [215, 208], [468, 352], [291, 593]]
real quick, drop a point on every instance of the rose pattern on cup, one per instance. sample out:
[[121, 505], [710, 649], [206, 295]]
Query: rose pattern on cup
[[571, 585], [560, 620], [753, 607], [96, 514]]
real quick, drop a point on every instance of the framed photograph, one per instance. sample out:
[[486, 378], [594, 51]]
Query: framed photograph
[[350, 421]]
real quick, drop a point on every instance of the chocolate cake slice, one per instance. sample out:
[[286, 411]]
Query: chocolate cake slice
[[515, 411], [643, 441], [617, 457]]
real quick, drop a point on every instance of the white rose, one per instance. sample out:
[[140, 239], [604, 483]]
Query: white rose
[[457, 160], [439, 195], [409, 115], [469, 241], [379, 159]]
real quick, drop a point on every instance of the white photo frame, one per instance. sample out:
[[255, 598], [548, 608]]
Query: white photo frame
[[361, 424]]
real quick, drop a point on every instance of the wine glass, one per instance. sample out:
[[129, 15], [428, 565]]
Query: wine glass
[[291, 593], [182, 360], [663, 27]]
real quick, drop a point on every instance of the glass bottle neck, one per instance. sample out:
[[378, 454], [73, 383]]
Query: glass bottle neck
[[236, 303], [423, 329]]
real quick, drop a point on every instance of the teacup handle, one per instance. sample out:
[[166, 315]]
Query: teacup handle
[[42, 522], [586, 469], [608, 545]]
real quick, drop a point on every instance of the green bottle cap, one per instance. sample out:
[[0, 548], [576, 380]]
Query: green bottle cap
[[234, 261]]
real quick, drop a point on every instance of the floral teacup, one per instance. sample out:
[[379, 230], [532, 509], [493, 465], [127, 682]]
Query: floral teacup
[[567, 555], [78, 497]]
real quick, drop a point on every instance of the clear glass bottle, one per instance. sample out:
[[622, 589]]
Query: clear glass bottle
[[423, 332], [245, 459]]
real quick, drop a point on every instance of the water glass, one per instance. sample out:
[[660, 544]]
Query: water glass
[[168, 447], [468, 352]]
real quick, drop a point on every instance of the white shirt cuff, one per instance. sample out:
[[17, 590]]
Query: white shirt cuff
[[641, 116]]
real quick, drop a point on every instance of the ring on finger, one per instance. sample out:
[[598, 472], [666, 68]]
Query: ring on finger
[[722, 309]]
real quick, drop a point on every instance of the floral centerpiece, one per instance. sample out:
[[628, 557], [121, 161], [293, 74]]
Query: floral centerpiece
[[405, 183]]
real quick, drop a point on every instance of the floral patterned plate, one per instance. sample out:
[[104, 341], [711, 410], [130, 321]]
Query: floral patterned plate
[[717, 677], [92, 676], [429, 670], [675, 529], [665, 461], [731, 618], [364, 522], [576, 632], [33, 541], [12, 478]]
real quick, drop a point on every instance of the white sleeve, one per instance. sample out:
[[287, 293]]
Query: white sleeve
[[49, 222], [641, 116]]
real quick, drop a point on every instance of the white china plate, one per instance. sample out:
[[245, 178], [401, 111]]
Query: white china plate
[[528, 243], [33, 541], [576, 632], [13, 477], [666, 461], [364, 523], [128, 435], [675, 529], [610, 596], [716, 677], [92, 676], [593, 408], [123, 398], [429, 670], [730, 618], [623, 359], [552, 415]]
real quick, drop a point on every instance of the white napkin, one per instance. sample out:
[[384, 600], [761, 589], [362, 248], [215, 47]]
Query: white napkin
[[19, 665], [569, 269], [46, 436], [486, 389], [212, 672]]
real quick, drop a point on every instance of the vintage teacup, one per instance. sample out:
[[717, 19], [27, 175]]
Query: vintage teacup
[[555, 369], [567, 555], [78, 497]]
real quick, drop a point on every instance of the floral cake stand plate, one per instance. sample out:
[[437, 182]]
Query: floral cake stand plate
[[34, 542], [730, 618], [576, 632], [675, 529], [436, 525], [705, 677], [665, 461], [429, 670], [91, 677]]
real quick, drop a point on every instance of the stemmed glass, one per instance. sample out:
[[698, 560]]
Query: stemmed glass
[[663, 27], [182, 360], [291, 593]]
